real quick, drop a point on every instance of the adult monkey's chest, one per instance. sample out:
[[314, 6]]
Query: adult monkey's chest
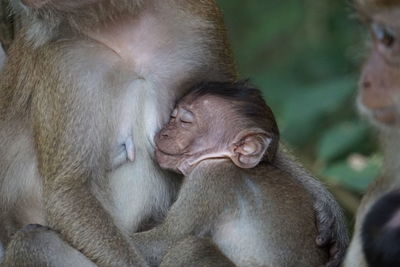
[[164, 57]]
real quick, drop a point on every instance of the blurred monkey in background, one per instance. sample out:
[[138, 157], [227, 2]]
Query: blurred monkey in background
[[376, 239]]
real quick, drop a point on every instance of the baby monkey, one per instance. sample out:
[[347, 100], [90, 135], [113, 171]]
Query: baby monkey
[[223, 138]]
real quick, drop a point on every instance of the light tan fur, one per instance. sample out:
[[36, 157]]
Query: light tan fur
[[388, 182], [257, 217], [82, 79], [66, 104], [379, 91]]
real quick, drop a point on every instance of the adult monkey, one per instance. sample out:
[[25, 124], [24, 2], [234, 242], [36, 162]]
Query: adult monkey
[[379, 101], [68, 114]]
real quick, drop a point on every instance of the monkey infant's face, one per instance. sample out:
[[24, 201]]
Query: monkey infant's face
[[193, 134], [209, 128], [379, 96]]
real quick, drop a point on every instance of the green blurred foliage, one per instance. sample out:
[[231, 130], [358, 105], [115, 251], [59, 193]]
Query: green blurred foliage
[[306, 55]]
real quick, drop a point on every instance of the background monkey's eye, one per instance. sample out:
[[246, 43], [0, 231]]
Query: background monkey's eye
[[383, 34]]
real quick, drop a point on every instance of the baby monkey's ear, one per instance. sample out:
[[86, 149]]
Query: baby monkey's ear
[[249, 148]]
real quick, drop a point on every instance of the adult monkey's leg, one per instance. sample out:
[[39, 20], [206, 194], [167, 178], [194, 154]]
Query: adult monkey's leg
[[43, 247]]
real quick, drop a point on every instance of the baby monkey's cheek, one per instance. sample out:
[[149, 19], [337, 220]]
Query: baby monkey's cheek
[[169, 146], [167, 161]]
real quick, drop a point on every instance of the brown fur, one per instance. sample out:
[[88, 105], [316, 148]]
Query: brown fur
[[251, 213], [378, 100], [71, 154], [217, 191], [63, 104], [377, 3]]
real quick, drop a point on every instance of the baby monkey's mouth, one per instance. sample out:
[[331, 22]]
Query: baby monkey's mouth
[[162, 151]]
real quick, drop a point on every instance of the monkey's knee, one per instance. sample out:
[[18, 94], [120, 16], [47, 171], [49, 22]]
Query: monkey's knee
[[195, 251], [381, 232], [26, 245], [37, 245]]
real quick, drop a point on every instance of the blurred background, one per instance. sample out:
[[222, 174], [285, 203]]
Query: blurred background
[[306, 55]]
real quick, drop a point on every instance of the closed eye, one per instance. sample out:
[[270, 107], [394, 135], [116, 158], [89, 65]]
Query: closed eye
[[187, 117], [186, 122]]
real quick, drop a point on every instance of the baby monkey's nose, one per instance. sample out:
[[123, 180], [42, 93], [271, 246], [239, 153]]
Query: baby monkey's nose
[[164, 134]]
